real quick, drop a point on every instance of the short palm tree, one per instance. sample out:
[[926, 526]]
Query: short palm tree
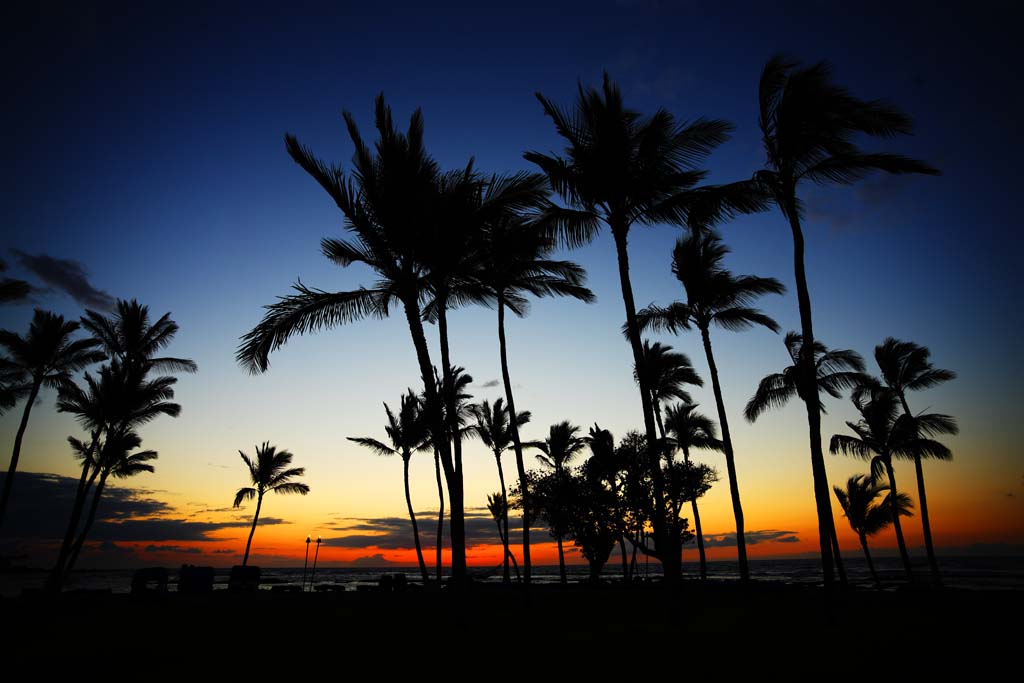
[[809, 126], [494, 427], [561, 446], [867, 518], [269, 472], [407, 433], [497, 505], [621, 168], [906, 366], [46, 356], [714, 296], [666, 373]]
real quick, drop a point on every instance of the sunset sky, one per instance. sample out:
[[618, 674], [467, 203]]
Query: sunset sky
[[144, 158]]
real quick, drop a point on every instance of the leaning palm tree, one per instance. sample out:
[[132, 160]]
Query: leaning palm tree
[[389, 204], [561, 446], [46, 356], [714, 296], [906, 366], [269, 472], [809, 126], [407, 433], [623, 169], [689, 429], [666, 372], [867, 518], [882, 434], [497, 505], [494, 427], [514, 261]]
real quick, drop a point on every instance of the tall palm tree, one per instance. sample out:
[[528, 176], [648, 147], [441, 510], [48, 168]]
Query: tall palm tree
[[714, 296], [809, 126], [561, 446], [867, 518], [906, 366], [46, 356], [882, 434], [494, 427], [407, 433], [690, 429], [666, 372], [497, 505], [269, 472], [389, 203], [621, 168], [514, 261], [130, 337]]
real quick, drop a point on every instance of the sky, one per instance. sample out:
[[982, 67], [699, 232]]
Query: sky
[[144, 158]]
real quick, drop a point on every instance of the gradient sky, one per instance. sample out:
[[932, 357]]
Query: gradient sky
[[146, 145]]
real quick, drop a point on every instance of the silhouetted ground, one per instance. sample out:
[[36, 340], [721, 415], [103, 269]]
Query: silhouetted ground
[[955, 625]]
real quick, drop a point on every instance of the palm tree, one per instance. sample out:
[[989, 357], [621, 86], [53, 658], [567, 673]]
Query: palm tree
[[690, 429], [389, 203], [882, 434], [497, 505], [865, 517], [407, 433], [560, 448], [268, 472], [514, 262], [666, 372], [906, 366], [714, 296], [622, 169], [47, 356], [494, 427], [808, 125], [129, 337]]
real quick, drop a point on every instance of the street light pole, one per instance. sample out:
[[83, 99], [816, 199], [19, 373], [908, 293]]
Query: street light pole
[[304, 564], [315, 555]]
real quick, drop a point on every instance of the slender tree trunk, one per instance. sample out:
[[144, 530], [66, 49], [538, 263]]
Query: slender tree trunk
[[88, 525], [506, 576], [449, 391], [559, 522], [823, 501], [437, 424], [517, 443], [625, 558], [22, 426], [871, 564], [922, 498], [697, 528], [668, 547], [85, 483], [563, 578], [730, 458], [904, 555], [440, 515], [841, 570], [255, 519], [412, 518]]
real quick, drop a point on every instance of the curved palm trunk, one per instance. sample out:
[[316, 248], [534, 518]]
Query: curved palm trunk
[[85, 483], [871, 564], [437, 425], [562, 577], [922, 499], [449, 382], [255, 519], [88, 525], [904, 555], [517, 444], [412, 518], [668, 547], [730, 459], [440, 515], [841, 570], [506, 577], [22, 426], [822, 499], [697, 528]]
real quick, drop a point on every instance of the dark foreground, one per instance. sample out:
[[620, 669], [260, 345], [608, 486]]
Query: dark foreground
[[953, 625]]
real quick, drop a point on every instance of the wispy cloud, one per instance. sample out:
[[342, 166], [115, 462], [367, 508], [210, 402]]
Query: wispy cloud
[[752, 537], [66, 276]]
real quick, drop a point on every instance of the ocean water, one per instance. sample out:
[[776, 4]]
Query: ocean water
[[979, 573]]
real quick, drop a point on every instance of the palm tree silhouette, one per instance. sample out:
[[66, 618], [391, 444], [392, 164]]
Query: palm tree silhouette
[[623, 169], [494, 427], [497, 505], [906, 366], [129, 337], [46, 356], [513, 263], [666, 372], [389, 201], [407, 433], [559, 449], [714, 296], [690, 429], [882, 434], [808, 125], [268, 472], [865, 517]]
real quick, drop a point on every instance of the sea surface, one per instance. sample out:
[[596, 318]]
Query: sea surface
[[979, 573]]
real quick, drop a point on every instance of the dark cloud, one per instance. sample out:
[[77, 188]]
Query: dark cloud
[[752, 537], [111, 547], [66, 276], [395, 533], [370, 561], [172, 549], [224, 551], [490, 384]]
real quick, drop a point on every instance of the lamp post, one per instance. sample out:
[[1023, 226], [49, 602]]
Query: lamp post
[[315, 555], [304, 564]]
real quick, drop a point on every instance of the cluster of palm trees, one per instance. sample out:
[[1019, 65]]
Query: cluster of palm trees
[[438, 239], [133, 386]]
